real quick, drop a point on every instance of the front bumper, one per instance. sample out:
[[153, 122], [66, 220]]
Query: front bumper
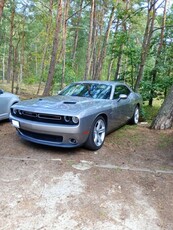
[[52, 134]]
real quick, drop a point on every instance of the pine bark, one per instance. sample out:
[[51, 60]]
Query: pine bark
[[146, 41], [104, 46], [159, 50], [48, 29], [2, 3], [76, 36], [10, 52], [89, 49], [49, 82], [117, 72], [15, 67], [64, 38], [164, 118], [124, 28]]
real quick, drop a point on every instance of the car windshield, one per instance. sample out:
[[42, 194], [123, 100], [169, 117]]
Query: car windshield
[[93, 90]]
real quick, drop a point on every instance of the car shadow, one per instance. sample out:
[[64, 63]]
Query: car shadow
[[51, 149], [5, 121]]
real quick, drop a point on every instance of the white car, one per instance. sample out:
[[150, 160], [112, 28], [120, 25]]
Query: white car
[[6, 101]]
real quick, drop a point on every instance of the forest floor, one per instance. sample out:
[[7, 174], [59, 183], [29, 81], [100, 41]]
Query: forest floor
[[126, 185]]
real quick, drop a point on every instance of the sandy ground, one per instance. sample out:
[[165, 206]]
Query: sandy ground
[[126, 185]]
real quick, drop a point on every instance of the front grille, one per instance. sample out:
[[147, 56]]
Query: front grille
[[44, 137], [41, 117]]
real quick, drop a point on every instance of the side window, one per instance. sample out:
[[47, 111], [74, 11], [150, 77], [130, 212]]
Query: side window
[[121, 89]]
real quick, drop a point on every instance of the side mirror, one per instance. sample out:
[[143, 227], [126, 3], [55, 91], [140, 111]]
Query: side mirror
[[1, 91], [122, 97]]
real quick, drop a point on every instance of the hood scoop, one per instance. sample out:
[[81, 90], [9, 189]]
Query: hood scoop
[[69, 102]]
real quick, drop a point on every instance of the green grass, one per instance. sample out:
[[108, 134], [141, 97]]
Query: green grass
[[127, 132], [150, 112], [165, 140]]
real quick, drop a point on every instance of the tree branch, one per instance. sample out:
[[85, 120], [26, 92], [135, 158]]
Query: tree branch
[[77, 11]]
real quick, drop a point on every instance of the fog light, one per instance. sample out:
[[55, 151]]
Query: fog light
[[73, 141]]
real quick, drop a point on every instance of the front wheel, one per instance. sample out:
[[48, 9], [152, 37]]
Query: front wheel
[[97, 134], [135, 119]]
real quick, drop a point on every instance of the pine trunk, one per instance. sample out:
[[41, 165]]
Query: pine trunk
[[49, 82], [10, 52], [146, 41], [117, 73], [2, 3], [104, 47], [48, 29], [155, 69], [64, 38], [76, 37], [89, 49], [164, 118]]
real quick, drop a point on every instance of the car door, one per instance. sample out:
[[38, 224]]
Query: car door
[[121, 111], [4, 101]]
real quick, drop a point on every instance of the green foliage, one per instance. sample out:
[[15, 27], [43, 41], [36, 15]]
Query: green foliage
[[31, 80], [31, 22]]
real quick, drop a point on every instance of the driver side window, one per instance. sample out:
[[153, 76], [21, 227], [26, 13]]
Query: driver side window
[[121, 89]]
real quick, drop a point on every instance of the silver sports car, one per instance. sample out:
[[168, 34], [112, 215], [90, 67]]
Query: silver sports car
[[6, 101], [81, 114]]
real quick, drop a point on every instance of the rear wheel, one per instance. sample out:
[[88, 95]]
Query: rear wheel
[[135, 119], [97, 134]]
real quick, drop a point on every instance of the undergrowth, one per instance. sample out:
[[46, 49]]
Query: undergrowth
[[148, 113]]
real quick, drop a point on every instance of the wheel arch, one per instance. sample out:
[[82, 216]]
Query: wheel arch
[[104, 116], [90, 143], [138, 104], [11, 103]]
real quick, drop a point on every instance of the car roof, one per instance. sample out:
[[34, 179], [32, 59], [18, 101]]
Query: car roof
[[102, 82]]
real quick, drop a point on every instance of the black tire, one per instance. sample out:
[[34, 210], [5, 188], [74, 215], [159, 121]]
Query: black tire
[[135, 119], [97, 135]]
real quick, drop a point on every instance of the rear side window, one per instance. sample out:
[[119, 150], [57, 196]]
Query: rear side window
[[121, 89]]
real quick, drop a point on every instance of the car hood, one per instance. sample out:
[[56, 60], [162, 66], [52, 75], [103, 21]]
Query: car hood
[[65, 105]]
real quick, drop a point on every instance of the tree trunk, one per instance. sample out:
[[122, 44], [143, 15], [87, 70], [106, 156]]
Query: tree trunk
[[155, 69], [48, 29], [119, 63], [89, 49], [64, 37], [2, 3], [124, 28], [94, 45], [164, 118], [15, 67], [104, 46], [110, 69], [49, 82], [76, 36], [146, 41], [10, 52], [98, 34], [22, 57], [3, 64]]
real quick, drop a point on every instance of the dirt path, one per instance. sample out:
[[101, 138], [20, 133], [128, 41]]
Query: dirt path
[[128, 184]]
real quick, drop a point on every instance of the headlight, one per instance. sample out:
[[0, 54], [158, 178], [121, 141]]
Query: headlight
[[15, 111], [75, 120], [66, 119], [20, 112]]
